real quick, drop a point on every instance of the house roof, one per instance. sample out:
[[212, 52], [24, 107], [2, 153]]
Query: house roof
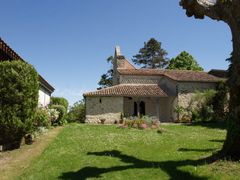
[[219, 73], [144, 90], [7, 53], [124, 63], [176, 75]]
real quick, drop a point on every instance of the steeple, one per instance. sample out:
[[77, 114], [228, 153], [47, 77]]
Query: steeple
[[119, 62], [117, 51]]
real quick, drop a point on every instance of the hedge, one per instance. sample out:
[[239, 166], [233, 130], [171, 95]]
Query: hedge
[[18, 101]]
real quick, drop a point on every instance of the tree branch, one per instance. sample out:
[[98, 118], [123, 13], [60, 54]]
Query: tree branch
[[215, 9]]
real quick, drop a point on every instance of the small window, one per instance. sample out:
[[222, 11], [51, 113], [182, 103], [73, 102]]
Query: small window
[[100, 100]]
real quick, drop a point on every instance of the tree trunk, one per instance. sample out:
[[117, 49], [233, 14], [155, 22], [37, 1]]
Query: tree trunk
[[231, 147]]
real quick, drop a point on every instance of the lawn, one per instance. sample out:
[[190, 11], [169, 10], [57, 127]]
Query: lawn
[[93, 151]]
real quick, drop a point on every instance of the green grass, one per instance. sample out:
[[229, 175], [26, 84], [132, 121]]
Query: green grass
[[93, 151]]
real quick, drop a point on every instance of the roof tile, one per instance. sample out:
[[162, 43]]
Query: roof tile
[[177, 75], [146, 90]]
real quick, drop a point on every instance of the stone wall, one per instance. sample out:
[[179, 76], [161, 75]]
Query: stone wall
[[168, 85], [158, 108], [167, 113], [103, 108], [186, 90], [130, 79], [165, 83]]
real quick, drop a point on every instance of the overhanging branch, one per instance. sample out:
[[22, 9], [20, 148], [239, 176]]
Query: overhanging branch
[[215, 9]]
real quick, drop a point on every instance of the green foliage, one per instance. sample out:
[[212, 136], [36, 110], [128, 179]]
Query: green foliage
[[203, 109], [62, 114], [148, 120], [107, 78], [141, 123], [18, 100], [204, 114], [59, 101], [134, 123], [184, 61], [42, 118], [151, 55], [220, 101], [77, 112], [183, 114]]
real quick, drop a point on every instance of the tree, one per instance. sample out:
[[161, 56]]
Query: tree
[[77, 112], [107, 78], [184, 61], [151, 55], [227, 11], [19, 88], [59, 101]]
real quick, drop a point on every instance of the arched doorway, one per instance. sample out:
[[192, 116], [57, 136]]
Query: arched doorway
[[142, 108]]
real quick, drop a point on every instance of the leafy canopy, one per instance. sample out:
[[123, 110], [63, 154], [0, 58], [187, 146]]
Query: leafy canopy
[[184, 61], [59, 101], [107, 78], [77, 112], [151, 55]]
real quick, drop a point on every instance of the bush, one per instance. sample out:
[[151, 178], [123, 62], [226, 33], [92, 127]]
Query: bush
[[148, 120], [203, 109], [220, 101], [77, 112], [141, 123], [54, 115], [59, 101], [18, 101], [62, 114], [42, 118]]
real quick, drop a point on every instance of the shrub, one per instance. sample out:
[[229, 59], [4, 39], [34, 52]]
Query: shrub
[[62, 114], [203, 109], [142, 123], [54, 115], [42, 118], [18, 101], [148, 120], [77, 112], [220, 101], [59, 101]]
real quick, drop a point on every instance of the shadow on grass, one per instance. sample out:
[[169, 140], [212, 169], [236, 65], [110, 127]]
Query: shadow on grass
[[211, 125], [196, 150], [217, 140], [170, 167]]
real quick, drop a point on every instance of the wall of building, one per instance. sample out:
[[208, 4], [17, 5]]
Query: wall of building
[[157, 108], [150, 105], [165, 83], [104, 108], [44, 97], [129, 79], [186, 90]]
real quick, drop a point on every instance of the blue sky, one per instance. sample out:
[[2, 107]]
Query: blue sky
[[68, 41]]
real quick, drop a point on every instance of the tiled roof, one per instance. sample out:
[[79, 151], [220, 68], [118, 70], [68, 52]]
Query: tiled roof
[[177, 75], [8, 50], [219, 73], [124, 63], [146, 90]]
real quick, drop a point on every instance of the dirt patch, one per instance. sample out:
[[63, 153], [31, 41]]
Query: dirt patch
[[13, 163]]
